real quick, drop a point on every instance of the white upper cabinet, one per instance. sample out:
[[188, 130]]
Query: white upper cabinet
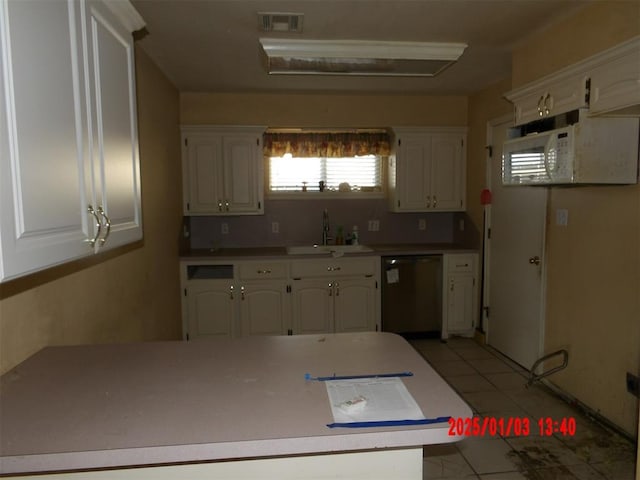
[[428, 170], [222, 170], [608, 83], [68, 139], [553, 95], [113, 143], [615, 81]]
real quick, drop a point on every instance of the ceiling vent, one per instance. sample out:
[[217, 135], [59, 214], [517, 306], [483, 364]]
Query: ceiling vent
[[280, 22], [358, 57]]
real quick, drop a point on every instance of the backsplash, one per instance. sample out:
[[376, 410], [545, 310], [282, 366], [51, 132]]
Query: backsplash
[[300, 223]]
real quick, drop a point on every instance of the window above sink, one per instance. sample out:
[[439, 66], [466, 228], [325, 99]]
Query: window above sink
[[326, 164]]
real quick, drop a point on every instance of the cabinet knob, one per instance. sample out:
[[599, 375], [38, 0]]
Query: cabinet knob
[[226, 205], [231, 292], [242, 292], [263, 272], [534, 260], [219, 205], [435, 201]]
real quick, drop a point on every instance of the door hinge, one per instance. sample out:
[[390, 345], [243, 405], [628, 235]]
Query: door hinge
[[587, 92], [259, 205], [185, 292], [186, 142], [376, 284], [398, 203], [288, 288], [489, 149], [187, 336], [399, 142], [289, 332], [188, 206], [486, 311], [489, 233]]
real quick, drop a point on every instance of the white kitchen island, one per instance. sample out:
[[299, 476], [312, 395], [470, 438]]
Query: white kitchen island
[[219, 408]]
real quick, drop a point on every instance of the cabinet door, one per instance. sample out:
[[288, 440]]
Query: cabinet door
[[447, 172], [312, 306], [211, 309], [355, 305], [264, 308], [460, 295], [412, 175], [113, 123], [203, 174], [43, 196], [242, 174], [614, 84]]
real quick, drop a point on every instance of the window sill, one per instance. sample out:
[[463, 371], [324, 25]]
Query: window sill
[[324, 195]]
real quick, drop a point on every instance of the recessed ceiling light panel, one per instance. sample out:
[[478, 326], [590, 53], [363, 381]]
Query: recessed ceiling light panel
[[358, 57]]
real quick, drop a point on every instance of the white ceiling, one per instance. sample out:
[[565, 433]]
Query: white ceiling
[[212, 45]]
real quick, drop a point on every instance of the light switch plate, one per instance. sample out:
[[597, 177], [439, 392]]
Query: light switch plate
[[562, 217], [224, 228]]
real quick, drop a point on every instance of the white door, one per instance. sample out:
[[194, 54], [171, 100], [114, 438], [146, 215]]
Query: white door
[[43, 206], [241, 173], [446, 172], [516, 262], [116, 174]]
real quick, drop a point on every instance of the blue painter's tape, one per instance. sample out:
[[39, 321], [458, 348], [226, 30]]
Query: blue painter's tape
[[389, 423]]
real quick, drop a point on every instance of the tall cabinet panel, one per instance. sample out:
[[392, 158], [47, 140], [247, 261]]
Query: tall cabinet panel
[[69, 172], [114, 140], [41, 137]]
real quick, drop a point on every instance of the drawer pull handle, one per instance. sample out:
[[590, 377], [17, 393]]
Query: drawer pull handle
[[333, 269], [219, 205], [242, 292], [330, 289], [231, 292], [462, 264], [337, 289], [261, 272]]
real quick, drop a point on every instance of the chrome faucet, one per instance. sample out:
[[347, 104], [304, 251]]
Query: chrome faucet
[[325, 228]]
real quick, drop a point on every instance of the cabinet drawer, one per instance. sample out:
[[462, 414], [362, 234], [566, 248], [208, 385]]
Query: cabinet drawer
[[460, 263], [332, 267], [262, 270]]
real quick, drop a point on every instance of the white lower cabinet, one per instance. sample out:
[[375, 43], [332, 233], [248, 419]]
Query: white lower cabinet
[[211, 309], [460, 294], [245, 298], [264, 308]]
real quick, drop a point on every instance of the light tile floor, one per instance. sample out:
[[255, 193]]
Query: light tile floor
[[495, 387]]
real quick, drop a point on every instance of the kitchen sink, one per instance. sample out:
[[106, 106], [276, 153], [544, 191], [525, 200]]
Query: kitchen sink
[[324, 249]]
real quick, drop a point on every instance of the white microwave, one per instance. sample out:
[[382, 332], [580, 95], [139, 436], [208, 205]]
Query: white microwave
[[592, 151]]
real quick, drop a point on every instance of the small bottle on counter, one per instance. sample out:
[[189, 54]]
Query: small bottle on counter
[[354, 235]]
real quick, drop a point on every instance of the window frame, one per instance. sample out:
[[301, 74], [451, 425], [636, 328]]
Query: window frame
[[315, 195]]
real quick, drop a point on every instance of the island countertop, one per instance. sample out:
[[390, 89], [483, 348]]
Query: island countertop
[[100, 406]]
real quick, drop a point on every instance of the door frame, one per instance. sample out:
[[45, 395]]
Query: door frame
[[486, 276]]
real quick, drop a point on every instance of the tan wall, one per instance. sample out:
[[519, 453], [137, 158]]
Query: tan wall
[[317, 110], [131, 297], [593, 282], [484, 106]]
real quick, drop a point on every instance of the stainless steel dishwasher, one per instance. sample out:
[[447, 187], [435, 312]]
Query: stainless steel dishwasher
[[412, 295]]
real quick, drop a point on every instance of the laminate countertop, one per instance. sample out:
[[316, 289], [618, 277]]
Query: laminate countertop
[[256, 253], [99, 406]]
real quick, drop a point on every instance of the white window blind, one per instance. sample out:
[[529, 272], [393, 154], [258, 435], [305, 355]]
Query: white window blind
[[345, 174]]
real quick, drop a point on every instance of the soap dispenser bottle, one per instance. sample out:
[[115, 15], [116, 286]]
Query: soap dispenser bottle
[[354, 236]]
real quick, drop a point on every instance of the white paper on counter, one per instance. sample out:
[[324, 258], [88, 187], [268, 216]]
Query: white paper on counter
[[386, 399]]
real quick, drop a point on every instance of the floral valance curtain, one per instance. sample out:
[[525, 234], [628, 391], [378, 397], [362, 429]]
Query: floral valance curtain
[[321, 144]]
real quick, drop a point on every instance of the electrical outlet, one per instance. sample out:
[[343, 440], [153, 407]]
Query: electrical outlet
[[224, 228], [275, 227], [422, 224], [373, 225], [633, 384]]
